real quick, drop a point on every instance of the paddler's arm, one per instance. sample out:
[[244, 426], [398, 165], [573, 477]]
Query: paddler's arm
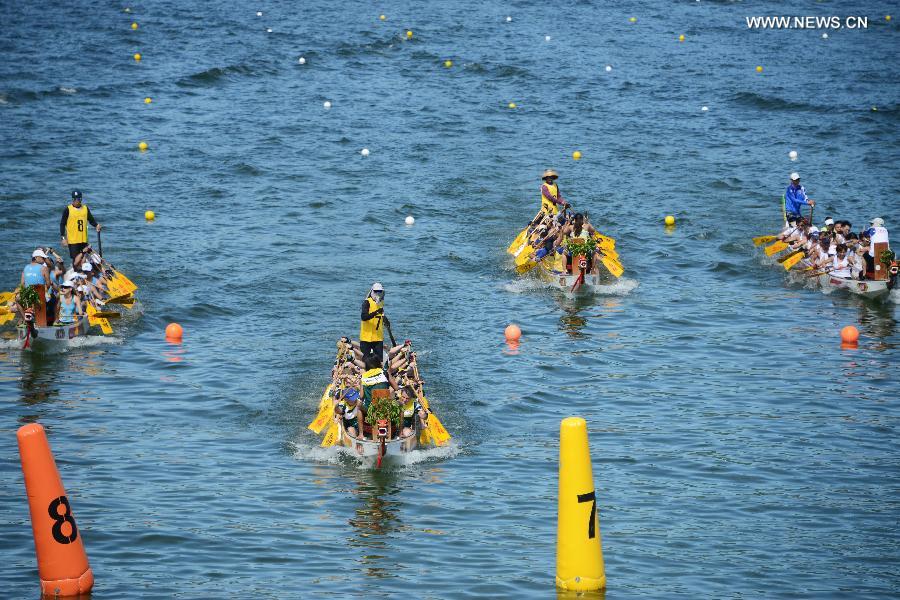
[[366, 315], [91, 219], [62, 226]]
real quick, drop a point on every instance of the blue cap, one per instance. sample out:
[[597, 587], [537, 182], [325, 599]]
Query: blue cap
[[540, 253], [76, 195], [351, 394]]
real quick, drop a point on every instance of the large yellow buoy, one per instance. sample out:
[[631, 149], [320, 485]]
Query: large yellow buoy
[[670, 220], [576, 155], [579, 549], [137, 56], [142, 146]]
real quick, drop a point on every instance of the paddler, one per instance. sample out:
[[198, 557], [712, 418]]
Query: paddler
[[551, 201], [371, 329], [795, 198], [350, 410], [37, 272], [73, 225]]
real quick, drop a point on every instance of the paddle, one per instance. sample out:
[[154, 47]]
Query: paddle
[[793, 260], [787, 256], [777, 247], [436, 429], [764, 239], [326, 410], [124, 299], [99, 244], [390, 334], [332, 435], [6, 297], [93, 319]]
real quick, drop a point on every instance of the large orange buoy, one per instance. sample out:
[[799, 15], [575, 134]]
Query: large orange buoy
[[174, 331], [850, 335], [512, 332], [62, 562]]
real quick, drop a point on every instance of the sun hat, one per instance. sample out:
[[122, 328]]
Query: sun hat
[[877, 222], [795, 176], [86, 266], [38, 253], [549, 173], [377, 287]]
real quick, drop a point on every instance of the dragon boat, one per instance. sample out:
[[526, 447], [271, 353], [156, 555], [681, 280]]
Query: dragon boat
[[381, 439]]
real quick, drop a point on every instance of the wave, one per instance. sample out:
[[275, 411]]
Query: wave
[[346, 456], [777, 103], [216, 75]]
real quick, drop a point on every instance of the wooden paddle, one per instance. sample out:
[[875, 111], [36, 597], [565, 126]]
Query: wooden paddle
[[764, 239], [791, 255], [777, 247], [795, 258], [93, 319]]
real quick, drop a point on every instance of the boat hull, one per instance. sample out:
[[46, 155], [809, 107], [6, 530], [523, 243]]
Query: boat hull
[[370, 449], [57, 335], [565, 281], [866, 288]]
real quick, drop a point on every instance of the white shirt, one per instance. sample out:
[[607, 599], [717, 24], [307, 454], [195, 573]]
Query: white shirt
[[841, 267], [880, 235]]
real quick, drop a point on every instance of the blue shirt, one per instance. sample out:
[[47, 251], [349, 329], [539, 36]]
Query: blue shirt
[[34, 274], [794, 199]]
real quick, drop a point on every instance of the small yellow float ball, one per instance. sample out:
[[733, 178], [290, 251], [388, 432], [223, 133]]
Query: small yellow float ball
[[142, 146], [137, 56], [670, 220], [408, 34], [448, 63], [759, 69], [148, 100], [887, 17], [512, 105], [632, 20], [134, 25], [382, 17], [576, 155], [681, 38], [149, 215]]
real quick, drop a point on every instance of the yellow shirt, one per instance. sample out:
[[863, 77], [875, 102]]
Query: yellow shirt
[[76, 225], [547, 205], [371, 330]]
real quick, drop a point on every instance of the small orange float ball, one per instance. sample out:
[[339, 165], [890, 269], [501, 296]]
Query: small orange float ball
[[849, 334], [173, 331], [512, 332]]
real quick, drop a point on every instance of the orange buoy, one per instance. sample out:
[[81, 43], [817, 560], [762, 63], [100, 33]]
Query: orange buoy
[[850, 335], [173, 331], [62, 562], [512, 332]]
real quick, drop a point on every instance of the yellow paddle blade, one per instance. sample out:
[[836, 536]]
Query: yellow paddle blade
[[425, 437], [613, 266], [4, 310], [6, 318], [109, 314], [122, 299], [524, 256], [775, 248], [764, 239], [437, 430], [93, 319], [788, 255], [792, 261], [125, 281], [331, 436], [324, 414], [518, 241], [7, 297], [610, 253], [522, 269]]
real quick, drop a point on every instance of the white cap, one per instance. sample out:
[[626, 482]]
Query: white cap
[[813, 229], [877, 222], [86, 266], [829, 221], [82, 289], [38, 253], [795, 176], [67, 283], [377, 287]]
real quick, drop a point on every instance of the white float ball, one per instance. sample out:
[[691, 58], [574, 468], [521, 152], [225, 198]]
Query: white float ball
[[268, 30], [704, 108], [410, 220], [608, 68], [824, 36], [326, 104], [508, 19], [259, 13], [546, 38], [301, 60], [364, 151], [792, 155]]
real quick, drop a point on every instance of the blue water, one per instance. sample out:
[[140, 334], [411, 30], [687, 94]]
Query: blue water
[[738, 451]]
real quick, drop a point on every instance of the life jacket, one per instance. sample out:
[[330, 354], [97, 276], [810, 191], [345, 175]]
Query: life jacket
[[547, 205], [371, 330], [34, 274], [76, 225], [350, 413]]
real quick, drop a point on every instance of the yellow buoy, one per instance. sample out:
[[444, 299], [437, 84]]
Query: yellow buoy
[[408, 34], [149, 215], [134, 25], [142, 146], [759, 69], [137, 56], [632, 20], [448, 63], [681, 38], [512, 105], [579, 549], [382, 17], [887, 17], [576, 155], [148, 100], [670, 220]]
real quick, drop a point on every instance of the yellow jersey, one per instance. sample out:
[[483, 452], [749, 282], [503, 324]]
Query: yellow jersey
[[76, 225], [372, 330], [547, 205]]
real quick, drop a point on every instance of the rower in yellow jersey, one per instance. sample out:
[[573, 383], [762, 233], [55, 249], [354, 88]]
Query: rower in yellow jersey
[[73, 225], [371, 329], [551, 201]]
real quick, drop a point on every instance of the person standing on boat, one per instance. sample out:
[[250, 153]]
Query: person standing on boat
[[878, 234], [795, 198], [36, 272], [551, 200], [373, 321], [73, 225]]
